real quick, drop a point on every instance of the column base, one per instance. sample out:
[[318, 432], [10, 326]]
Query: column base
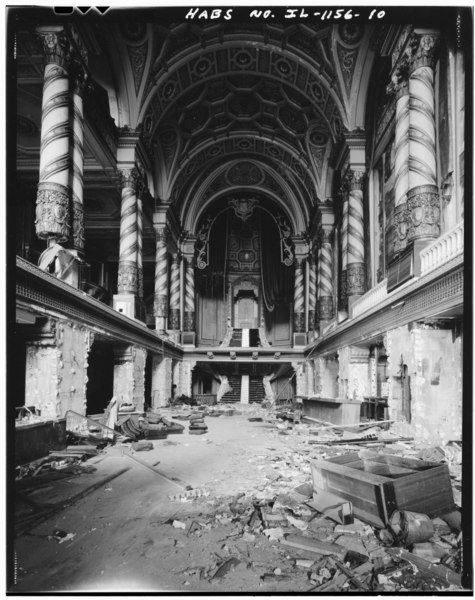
[[126, 304]]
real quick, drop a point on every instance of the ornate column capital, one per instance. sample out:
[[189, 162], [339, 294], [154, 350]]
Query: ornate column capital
[[128, 178], [56, 45], [353, 180], [422, 49], [325, 235], [161, 233]]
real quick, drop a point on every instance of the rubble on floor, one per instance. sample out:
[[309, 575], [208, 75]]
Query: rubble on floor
[[325, 543]]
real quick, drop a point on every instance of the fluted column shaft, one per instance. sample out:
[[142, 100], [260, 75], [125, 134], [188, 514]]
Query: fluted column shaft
[[355, 277], [189, 317], [160, 307], [127, 276], [174, 310], [299, 298], [423, 196], [325, 275], [52, 204], [312, 292]]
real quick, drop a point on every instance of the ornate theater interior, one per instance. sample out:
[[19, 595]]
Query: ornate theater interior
[[238, 208]]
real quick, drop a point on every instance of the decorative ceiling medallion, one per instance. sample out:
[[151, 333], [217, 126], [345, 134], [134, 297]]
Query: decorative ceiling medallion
[[168, 137], [350, 33], [169, 90], [202, 67], [244, 173], [242, 59], [243, 207], [318, 138], [283, 67], [244, 144]]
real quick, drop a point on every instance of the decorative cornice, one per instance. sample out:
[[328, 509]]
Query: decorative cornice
[[38, 288]]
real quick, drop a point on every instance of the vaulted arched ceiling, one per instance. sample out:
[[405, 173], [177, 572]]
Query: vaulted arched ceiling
[[202, 94]]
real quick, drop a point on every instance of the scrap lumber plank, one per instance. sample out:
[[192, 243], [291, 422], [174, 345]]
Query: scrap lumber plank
[[156, 471], [437, 570], [313, 545]]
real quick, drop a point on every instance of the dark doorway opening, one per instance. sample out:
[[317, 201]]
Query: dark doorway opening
[[100, 375]]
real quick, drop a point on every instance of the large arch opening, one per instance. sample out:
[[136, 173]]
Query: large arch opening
[[245, 272]]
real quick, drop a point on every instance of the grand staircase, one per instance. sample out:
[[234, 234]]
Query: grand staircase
[[235, 394], [236, 338], [256, 389]]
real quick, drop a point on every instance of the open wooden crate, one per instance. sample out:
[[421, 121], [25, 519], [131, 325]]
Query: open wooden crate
[[379, 485]]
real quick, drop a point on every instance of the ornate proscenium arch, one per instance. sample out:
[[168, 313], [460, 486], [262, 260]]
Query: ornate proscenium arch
[[243, 208], [238, 175]]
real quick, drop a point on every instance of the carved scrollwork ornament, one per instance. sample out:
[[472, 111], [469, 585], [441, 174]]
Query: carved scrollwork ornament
[[355, 279], [127, 277], [354, 180], [78, 225], [128, 178], [161, 235], [422, 50], [56, 47], [52, 211], [325, 308], [160, 305], [399, 85]]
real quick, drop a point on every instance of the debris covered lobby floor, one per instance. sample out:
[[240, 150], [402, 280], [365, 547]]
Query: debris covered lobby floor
[[216, 516]]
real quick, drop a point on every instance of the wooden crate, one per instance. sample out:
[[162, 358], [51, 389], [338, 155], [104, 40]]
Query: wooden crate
[[379, 485]]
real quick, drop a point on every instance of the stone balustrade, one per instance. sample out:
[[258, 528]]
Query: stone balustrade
[[445, 248], [372, 298]]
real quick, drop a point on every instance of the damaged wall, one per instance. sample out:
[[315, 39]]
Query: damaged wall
[[353, 373], [326, 377], [433, 358], [161, 381], [129, 375], [56, 368]]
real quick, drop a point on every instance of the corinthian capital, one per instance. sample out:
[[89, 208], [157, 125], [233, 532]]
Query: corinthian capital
[[128, 178], [353, 180], [422, 49], [55, 44]]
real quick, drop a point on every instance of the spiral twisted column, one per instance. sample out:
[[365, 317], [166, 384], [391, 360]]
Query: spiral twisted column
[[299, 297], [80, 82], [423, 197], [174, 310], [355, 276], [127, 276], [343, 298], [399, 86], [53, 196], [325, 275], [312, 292], [189, 316], [140, 193], [160, 305]]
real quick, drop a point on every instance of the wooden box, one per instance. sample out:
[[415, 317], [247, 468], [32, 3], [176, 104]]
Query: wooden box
[[333, 410], [379, 485]]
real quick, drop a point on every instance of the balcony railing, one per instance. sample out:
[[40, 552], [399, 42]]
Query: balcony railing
[[443, 249], [372, 298]]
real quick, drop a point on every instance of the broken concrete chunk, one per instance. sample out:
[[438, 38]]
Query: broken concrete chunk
[[274, 533], [179, 525]]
